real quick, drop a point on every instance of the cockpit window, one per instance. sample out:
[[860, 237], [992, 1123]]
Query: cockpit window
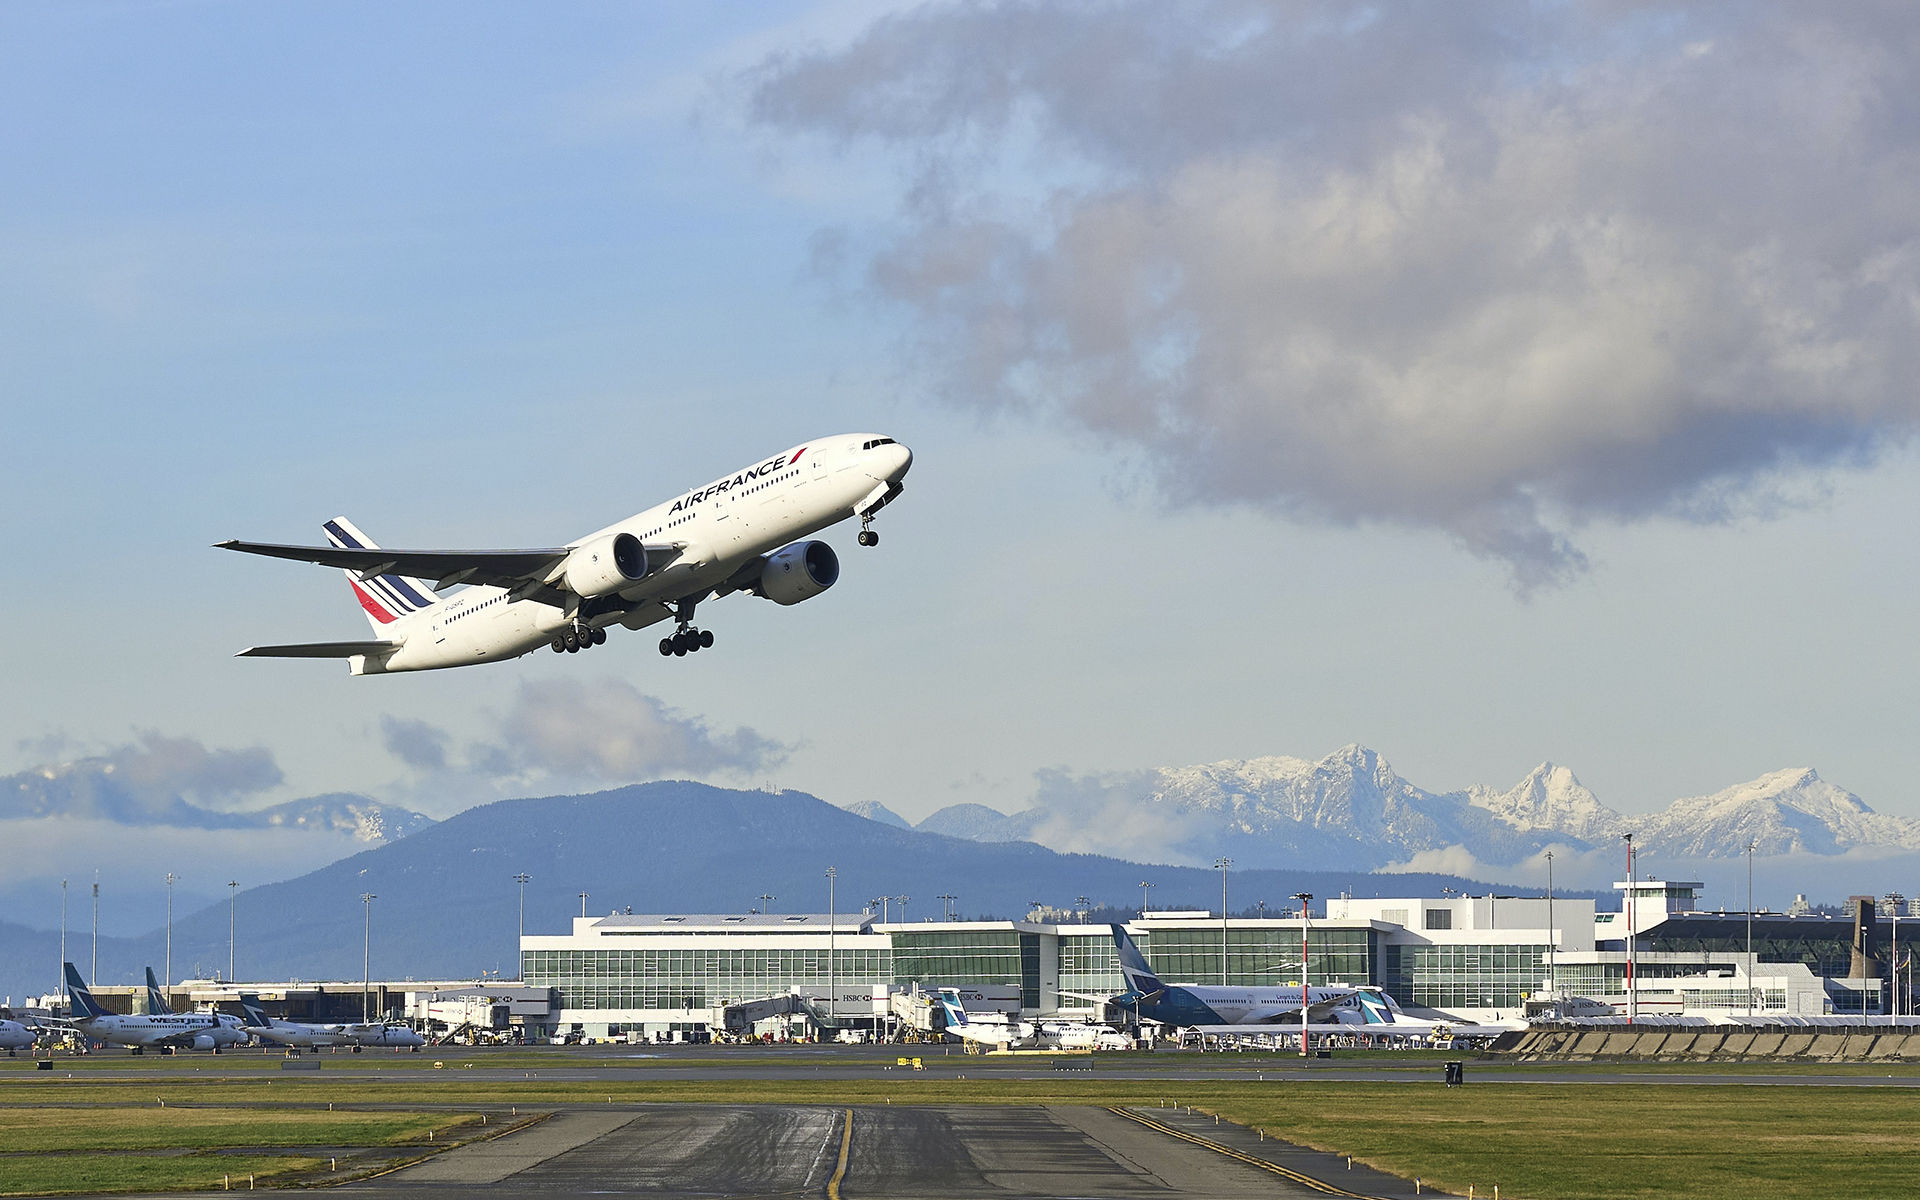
[[877, 442]]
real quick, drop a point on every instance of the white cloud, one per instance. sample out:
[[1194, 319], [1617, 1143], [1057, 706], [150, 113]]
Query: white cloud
[[1497, 271], [609, 730]]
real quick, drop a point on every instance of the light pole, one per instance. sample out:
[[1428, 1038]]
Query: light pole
[[1305, 899], [1633, 895], [833, 981], [522, 878], [1223, 864], [1144, 885], [766, 901], [93, 971], [882, 901], [946, 900], [169, 930], [583, 904], [1751, 845], [233, 891], [902, 902], [1553, 936], [366, 957], [1080, 903], [62, 977], [1894, 900]]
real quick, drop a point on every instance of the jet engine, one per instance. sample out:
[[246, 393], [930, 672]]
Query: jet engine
[[799, 572], [606, 564], [203, 1041]]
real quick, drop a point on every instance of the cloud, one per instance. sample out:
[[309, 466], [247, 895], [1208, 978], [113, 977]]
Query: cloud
[[1111, 814], [416, 743], [1498, 271], [608, 730], [161, 768]]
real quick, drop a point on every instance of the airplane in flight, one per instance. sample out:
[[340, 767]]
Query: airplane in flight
[[91, 1018], [227, 1033], [1186, 1005], [15, 1036], [749, 531]]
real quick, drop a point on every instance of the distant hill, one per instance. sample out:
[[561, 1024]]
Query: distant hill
[[446, 901]]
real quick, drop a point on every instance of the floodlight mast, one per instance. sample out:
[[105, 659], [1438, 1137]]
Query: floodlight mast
[[1306, 1004]]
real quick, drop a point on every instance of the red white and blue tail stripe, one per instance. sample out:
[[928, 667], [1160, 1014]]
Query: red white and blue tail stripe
[[386, 598]]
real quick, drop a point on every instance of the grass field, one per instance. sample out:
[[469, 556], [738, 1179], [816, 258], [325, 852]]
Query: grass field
[[42, 1175], [1544, 1141]]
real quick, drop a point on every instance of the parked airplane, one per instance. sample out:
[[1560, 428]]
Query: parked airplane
[[743, 532], [305, 1035], [15, 1036], [1195, 1004], [140, 1032], [387, 1034], [1005, 1033], [228, 1031]]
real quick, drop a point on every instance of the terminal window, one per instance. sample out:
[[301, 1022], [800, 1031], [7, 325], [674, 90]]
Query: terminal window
[[1439, 918]]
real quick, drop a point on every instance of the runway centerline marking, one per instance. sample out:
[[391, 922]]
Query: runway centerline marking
[[846, 1148], [1317, 1185]]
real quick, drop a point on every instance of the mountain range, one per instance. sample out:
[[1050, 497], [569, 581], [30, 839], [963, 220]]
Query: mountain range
[[446, 903], [1351, 810]]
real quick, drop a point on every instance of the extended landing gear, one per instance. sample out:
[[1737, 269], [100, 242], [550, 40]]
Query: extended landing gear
[[686, 640], [575, 638], [867, 536]]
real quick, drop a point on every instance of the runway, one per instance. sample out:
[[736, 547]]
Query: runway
[[905, 1152]]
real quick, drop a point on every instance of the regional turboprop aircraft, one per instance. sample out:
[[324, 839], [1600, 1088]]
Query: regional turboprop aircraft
[[744, 532], [140, 1032], [291, 1033], [1186, 1005]]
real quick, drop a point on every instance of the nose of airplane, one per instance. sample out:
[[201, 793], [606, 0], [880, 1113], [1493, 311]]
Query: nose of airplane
[[899, 458]]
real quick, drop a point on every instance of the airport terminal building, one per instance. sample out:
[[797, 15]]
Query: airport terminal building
[[1471, 958]]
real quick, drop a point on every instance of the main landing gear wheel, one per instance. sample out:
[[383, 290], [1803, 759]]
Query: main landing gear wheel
[[869, 538], [575, 638], [686, 642]]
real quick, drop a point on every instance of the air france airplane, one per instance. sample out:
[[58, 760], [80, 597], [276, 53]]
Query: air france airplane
[[1185, 1005], [744, 532]]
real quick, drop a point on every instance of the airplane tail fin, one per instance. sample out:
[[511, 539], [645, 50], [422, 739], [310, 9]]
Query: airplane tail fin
[[157, 1005], [385, 598], [1133, 965], [1375, 1007], [252, 1015], [82, 1001], [955, 1010]]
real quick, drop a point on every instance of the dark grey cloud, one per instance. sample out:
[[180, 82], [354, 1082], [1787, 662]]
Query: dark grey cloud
[[1498, 270], [163, 768], [416, 743]]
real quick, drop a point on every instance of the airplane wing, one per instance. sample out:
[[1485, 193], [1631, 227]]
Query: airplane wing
[[318, 650], [494, 568]]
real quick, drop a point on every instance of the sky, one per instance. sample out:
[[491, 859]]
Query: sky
[[1487, 385]]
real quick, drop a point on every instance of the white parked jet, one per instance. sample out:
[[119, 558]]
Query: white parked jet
[[140, 1032], [226, 1032], [388, 1034], [15, 1036], [743, 532]]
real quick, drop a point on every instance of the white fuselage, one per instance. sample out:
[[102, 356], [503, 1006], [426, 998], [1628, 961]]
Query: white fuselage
[[15, 1036], [721, 526], [303, 1034], [376, 1034], [181, 1029]]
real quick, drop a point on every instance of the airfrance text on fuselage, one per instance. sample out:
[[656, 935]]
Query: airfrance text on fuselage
[[778, 463]]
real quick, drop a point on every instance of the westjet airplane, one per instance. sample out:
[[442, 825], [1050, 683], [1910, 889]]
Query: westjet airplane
[[14, 1036], [1186, 1005], [140, 1032], [744, 532], [228, 1031]]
